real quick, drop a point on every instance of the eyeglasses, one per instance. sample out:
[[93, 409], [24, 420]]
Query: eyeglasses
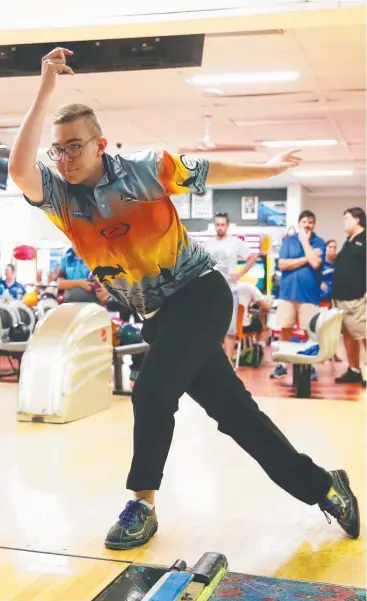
[[220, 214], [71, 150]]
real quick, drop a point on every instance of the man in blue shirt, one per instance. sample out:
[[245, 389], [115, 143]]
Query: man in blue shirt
[[73, 279], [10, 283], [300, 260]]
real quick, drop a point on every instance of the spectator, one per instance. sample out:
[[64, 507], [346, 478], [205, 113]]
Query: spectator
[[300, 259], [328, 271], [226, 250], [73, 279], [349, 291], [255, 324], [9, 283]]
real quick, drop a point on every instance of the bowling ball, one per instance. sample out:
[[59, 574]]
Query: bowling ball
[[128, 334], [30, 299], [19, 333]]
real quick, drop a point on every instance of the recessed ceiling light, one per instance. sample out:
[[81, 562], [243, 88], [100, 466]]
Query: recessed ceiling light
[[323, 173], [298, 143], [243, 77]]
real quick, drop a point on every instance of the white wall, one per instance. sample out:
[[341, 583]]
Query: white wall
[[329, 214], [22, 224]]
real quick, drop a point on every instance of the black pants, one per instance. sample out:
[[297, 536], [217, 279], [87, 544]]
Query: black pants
[[186, 356]]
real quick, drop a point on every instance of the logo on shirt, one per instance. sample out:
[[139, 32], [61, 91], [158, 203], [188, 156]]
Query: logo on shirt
[[190, 164], [81, 215], [102, 272], [115, 231]]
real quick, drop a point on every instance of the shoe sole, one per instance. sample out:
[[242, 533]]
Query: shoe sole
[[344, 482], [133, 545]]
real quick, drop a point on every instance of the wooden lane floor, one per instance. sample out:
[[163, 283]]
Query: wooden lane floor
[[64, 485], [45, 577]]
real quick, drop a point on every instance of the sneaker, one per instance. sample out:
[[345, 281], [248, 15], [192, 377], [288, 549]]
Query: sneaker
[[314, 374], [279, 372], [135, 527], [342, 504], [349, 377]]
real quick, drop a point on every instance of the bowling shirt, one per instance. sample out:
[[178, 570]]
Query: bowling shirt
[[301, 285], [127, 229], [73, 268], [15, 290], [327, 278]]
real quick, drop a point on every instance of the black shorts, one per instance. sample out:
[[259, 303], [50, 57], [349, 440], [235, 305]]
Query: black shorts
[[255, 327]]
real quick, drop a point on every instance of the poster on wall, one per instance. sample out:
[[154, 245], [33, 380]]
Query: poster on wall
[[273, 212], [182, 205], [202, 206], [249, 208]]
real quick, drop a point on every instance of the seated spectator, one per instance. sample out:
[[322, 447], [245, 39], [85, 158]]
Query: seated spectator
[[9, 283], [73, 279], [349, 292], [328, 272], [254, 320]]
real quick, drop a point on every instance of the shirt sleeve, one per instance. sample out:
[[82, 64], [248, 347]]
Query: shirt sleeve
[[152, 175], [180, 174], [321, 244], [283, 252], [54, 194]]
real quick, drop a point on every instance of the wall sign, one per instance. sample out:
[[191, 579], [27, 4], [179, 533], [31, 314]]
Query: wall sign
[[202, 206], [249, 208]]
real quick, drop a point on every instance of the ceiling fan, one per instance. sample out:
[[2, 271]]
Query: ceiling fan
[[207, 144]]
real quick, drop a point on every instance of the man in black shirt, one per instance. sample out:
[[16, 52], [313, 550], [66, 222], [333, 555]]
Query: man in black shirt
[[349, 291]]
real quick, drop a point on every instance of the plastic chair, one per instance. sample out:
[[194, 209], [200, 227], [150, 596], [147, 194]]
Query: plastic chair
[[25, 314], [326, 335], [11, 350], [46, 304]]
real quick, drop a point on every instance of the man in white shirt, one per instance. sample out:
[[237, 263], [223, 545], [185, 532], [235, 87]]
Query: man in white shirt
[[226, 250]]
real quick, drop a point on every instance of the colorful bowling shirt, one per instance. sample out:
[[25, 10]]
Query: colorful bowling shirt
[[127, 229]]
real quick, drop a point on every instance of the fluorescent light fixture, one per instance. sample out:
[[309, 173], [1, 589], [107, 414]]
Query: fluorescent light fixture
[[243, 77], [323, 172], [298, 143]]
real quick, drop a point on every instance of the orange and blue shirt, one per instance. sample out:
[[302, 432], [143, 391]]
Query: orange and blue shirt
[[127, 229]]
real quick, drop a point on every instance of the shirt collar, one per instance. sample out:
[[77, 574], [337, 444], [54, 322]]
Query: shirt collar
[[113, 169]]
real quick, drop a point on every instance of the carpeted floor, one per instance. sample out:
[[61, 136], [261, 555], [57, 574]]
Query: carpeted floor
[[239, 587]]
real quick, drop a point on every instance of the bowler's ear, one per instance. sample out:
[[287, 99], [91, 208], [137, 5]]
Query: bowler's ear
[[102, 143]]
